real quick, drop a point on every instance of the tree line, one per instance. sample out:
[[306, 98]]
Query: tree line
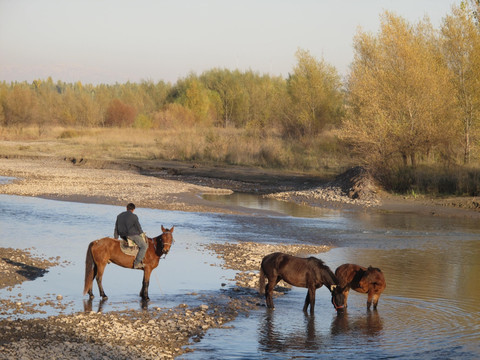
[[412, 96], [301, 105]]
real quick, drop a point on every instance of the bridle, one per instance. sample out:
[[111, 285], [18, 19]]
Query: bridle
[[332, 288], [335, 305], [162, 243]]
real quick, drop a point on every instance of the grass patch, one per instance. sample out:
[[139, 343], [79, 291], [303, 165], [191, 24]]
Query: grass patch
[[228, 146]]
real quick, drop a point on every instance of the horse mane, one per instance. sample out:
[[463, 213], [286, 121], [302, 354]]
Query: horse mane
[[318, 262], [371, 268], [327, 271]]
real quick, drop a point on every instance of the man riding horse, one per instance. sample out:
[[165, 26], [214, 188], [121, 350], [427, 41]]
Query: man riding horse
[[128, 226]]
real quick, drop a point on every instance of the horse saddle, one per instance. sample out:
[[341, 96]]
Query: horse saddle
[[129, 247]]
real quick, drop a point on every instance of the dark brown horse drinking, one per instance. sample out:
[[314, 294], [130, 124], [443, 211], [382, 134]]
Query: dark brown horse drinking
[[363, 280], [310, 273], [103, 251]]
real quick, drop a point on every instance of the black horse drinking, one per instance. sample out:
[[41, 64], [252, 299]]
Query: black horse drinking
[[310, 273]]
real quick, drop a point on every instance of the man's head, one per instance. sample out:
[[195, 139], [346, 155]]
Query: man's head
[[131, 207]]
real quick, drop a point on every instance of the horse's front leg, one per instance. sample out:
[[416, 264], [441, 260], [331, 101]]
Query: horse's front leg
[[372, 299], [310, 299], [146, 281], [369, 299], [307, 302]]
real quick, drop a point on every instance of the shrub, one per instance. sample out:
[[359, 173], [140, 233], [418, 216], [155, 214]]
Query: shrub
[[119, 114], [68, 134], [143, 121]]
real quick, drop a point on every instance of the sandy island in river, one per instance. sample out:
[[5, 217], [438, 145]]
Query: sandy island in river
[[161, 185]]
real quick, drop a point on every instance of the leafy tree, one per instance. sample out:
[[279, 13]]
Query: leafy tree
[[19, 106], [262, 101], [473, 6], [229, 92], [192, 93], [315, 97], [143, 121], [79, 107], [461, 47], [156, 93], [400, 102]]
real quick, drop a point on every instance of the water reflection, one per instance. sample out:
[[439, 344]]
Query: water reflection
[[88, 305], [370, 324], [304, 337], [274, 341], [263, 203], [6, 179], [64, 229]]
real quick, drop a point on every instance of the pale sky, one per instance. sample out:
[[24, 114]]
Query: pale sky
[[109, 41]]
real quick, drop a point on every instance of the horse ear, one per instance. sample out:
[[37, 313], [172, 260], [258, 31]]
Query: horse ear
[[163, 229], [171, 230], [332, 287]]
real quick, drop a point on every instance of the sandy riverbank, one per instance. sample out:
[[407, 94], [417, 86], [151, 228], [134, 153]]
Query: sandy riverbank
[[178, 186]]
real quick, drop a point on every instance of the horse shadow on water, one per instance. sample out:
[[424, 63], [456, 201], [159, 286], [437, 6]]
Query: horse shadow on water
[[30, 272]]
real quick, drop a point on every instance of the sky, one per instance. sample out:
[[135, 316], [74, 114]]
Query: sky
[[115, 41]]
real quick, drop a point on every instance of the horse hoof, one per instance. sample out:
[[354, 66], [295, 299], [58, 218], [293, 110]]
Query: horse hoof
[[104, 297]]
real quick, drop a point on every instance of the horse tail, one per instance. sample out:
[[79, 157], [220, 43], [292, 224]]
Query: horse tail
[[89, 269], [261, 282]]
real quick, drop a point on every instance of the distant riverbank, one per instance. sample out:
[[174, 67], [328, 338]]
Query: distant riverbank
[[173, 185]]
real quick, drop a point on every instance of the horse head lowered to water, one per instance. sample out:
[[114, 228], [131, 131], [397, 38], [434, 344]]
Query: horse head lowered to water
[[310, 273], [103, 251], [364, 280]]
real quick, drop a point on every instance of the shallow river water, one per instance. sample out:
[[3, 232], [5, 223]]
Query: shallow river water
[[429, 310]]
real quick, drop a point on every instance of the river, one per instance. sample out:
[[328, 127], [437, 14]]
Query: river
[[429, 310]]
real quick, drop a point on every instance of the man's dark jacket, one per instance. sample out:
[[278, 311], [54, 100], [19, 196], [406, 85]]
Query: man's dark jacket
[[127, 224]]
